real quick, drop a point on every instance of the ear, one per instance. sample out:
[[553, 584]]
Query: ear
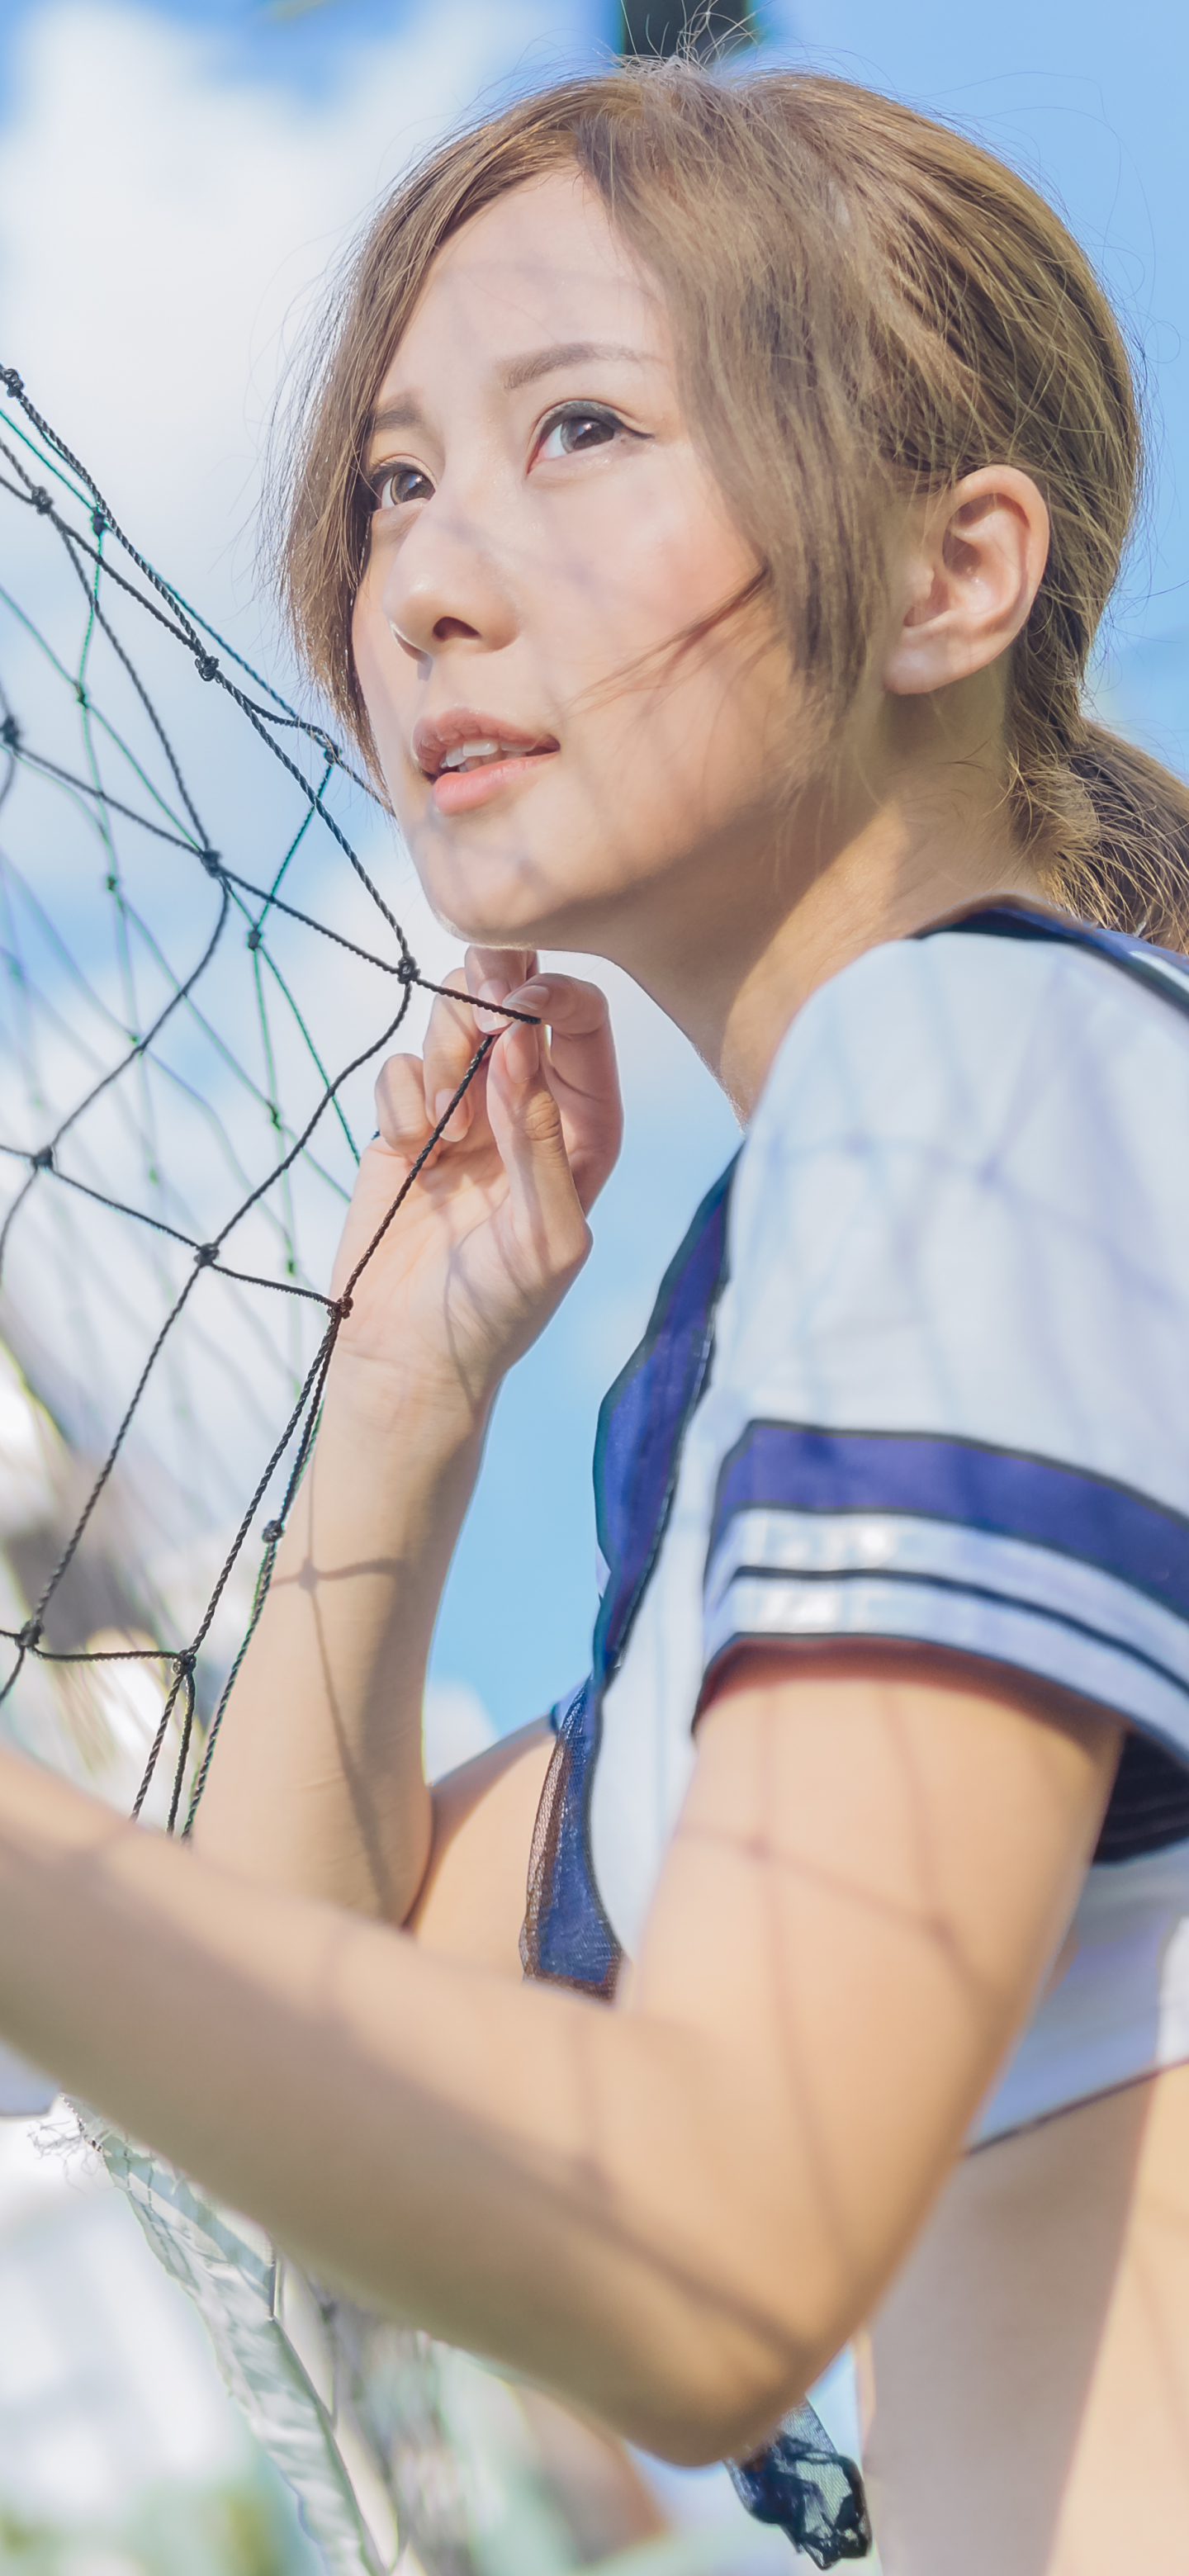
[[971, 570]]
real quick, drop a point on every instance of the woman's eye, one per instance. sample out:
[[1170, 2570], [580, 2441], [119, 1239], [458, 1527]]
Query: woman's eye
[[400, 483], [569, 433]]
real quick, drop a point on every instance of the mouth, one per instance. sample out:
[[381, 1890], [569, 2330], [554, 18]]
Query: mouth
[[480, 755], [468, 758]]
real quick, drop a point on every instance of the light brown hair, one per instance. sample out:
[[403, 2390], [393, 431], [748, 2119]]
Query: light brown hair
[[865, 304]]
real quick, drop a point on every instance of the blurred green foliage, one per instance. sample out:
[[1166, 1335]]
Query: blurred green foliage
[[248, 2528]]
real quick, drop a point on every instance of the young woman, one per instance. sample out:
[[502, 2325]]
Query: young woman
[[702, 519]]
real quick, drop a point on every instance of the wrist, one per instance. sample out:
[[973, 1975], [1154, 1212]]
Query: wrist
[[396, 1453], [433, 1410]]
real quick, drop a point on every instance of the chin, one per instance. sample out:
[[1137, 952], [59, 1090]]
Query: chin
[[509, 904], [488, 928]]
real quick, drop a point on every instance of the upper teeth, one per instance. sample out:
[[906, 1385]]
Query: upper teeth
[[465, 752]]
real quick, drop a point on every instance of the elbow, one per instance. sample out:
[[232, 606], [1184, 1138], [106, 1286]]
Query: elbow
[[704, 2404], [698, 2437], [710, 2356], [703, 2379]]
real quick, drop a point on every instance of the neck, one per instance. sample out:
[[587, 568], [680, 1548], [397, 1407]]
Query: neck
[[733, 969], [882, 887]]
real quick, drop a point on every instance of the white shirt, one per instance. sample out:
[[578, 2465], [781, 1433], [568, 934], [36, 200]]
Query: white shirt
[[946, 1400]]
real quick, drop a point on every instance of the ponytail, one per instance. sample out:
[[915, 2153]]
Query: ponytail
[[1129, 869]]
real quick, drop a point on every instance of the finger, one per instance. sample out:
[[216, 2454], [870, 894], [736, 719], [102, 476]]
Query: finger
[[581, 1070], [547, 1213], [405, 1124], [487, 967], [451, 1040], [400, 1105], [579, 1024]]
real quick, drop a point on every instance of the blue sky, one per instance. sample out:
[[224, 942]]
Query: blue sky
[[173, 182]]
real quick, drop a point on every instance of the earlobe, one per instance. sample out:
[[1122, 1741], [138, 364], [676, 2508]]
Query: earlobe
[[971, 572]]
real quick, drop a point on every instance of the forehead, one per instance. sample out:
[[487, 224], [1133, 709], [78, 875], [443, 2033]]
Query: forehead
[[542, 266]]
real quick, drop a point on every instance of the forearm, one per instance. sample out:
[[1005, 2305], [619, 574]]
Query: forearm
[[317, 1782], [453, 1257], [673, 2211], [517, 2171]]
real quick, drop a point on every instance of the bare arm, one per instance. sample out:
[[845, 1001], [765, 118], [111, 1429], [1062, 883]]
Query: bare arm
[[317, 1782], [672, 2212], [471, 1901]]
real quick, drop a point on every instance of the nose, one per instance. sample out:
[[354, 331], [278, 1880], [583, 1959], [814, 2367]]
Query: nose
[[445, 586]]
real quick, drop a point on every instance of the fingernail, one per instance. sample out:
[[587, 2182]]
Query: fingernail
[[532, 997], [441, 1105], [494, 990]]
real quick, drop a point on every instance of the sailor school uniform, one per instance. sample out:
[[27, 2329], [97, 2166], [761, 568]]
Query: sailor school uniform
[[918, 1373]]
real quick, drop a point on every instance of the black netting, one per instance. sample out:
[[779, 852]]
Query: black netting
[[178, 1136], [177, 1144]]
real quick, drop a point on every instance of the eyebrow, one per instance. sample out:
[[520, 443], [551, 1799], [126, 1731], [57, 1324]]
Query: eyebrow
[[407, 413], [566, 353]]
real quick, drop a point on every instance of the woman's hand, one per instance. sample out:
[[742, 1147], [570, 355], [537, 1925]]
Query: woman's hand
[[318, 1784], [494, 1227]]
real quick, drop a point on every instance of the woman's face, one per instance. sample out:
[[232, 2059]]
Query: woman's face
[[544, 527]]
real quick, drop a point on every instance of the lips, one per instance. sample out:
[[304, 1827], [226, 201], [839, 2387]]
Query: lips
[[465, 739]]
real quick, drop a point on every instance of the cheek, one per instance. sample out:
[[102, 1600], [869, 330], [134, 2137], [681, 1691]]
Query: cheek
[[699, 565], [656, 570], [681, 698], [380, 671], [371, 654], [665, 720]]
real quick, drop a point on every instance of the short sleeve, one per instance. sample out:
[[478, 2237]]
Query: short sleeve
[[951, 1390]]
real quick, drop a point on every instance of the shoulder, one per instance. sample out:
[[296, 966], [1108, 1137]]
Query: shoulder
[[947, 1022], [960, 1201], [951, 1405], [1057, 1057]]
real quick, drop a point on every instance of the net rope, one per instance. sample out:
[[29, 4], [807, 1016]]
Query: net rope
[[152, 804], [123, 1045]]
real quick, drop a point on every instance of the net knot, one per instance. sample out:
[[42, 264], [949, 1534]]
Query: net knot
[[42, 500], [341, 1308], [10, 734], [206, 665], [30, 1635], [43, 1159], [408, 971], [99, 520], [255, 935], [272, 1531], [211, 862], [183, 1662], [204, 1254], [12, 383]]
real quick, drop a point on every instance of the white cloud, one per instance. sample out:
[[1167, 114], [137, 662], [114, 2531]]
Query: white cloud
[[160, 221], [455, 1727], [161, 226]]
